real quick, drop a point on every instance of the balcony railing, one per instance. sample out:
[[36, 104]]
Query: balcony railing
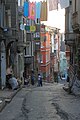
[[20, 10], [10, 32], [75, 22], [70, 38], [28, 60], [37, 46], [2, 34]]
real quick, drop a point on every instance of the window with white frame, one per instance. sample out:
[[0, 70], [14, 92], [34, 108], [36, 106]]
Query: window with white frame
[[74, 4], [42, 45], [28, 49], [19, 2], [41, 58], [47, 57]]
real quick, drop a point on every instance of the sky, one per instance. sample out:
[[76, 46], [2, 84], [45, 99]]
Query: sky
[[56, 18]]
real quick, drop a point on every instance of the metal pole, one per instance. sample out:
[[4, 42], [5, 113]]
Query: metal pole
[[0, 63]]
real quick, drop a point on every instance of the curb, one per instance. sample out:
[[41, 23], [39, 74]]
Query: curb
[[8, 100], [2, 105]]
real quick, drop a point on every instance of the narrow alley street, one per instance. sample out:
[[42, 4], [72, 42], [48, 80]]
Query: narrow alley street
[[49, 102]]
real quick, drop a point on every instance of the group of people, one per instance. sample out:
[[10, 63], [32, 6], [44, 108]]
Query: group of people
[[39, 79], [13, 83]]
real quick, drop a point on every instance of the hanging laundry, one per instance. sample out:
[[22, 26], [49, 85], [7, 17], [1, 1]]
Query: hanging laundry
[[38, 9], [22, 27], [53, 5], [27, 28], [44, 11], [32, 28], [58, 1], [26, 9], [64, 3], [32, 10]]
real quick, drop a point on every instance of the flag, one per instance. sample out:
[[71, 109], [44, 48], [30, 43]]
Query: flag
[[32, 8], [64, 3], [27, 28], [26, 9], [22, 27], [38, 9], [44, 11], [53, 5], [32, 28]]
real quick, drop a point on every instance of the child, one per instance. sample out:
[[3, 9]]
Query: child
[[39, 80]]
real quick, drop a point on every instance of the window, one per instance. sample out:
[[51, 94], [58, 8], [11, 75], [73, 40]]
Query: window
[[42, 45], [28, 22], [0, 17], [47, 57], [41, 58], [37, 21], [28, 37], [18, 2], [32, 22], [75, 5], [70, 2], [71, 58], [27, 50]]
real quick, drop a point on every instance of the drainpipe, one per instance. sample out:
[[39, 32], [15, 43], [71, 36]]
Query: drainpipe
[[58, 50], [0, 63]]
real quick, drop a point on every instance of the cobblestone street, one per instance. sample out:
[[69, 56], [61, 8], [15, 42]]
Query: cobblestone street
[[49, 102]]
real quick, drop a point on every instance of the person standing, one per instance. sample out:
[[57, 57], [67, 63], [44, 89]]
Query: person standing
[[39, 80], [9, 74], [32, 77]]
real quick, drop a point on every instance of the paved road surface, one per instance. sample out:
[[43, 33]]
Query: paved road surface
[[49, 102]]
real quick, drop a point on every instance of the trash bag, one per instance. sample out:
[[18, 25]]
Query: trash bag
[[68, 79], [13, 82]]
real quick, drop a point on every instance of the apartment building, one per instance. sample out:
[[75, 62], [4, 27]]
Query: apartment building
[[45, 53], [12, 41], [72, 40], [2, 46]]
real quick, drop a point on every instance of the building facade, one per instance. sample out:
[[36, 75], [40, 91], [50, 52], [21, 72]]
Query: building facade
[[12, 40], [72, 40], [45, 53]]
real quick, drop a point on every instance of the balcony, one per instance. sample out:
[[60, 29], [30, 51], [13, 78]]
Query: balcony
[[20, 10], [2, 1], [10, 33], [1, 34], [70, 38], [20, 46], [28, 60], [75, 22], [37, 27], [37, 46]]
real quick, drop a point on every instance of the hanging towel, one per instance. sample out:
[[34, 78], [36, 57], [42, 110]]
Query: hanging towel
[[44, 11], [38, 9], [26, 9], [32, 10], [53, 5], [64, 3]]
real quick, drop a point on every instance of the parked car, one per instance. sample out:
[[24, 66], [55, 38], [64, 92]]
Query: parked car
[[63, 77]]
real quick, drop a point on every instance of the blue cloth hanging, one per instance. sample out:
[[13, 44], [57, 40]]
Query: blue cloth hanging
[[26, 9], [38, 9]]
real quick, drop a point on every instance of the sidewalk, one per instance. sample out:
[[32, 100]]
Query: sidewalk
[[6, 96]]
